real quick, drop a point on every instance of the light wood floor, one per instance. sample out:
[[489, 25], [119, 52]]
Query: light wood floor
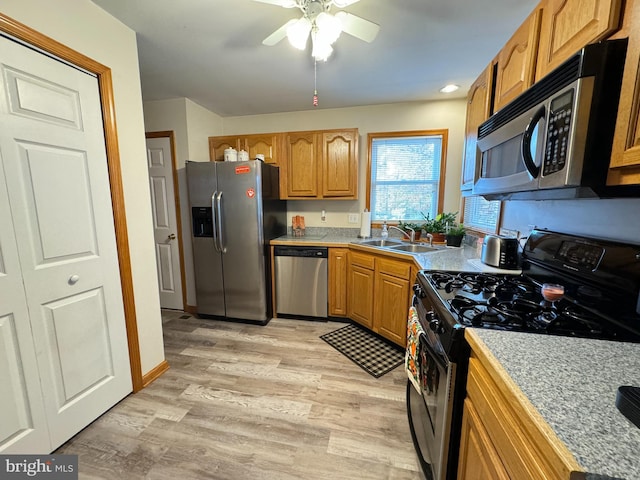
[[251, 402]]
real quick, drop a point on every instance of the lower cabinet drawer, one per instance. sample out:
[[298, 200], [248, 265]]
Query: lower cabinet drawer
[[394, 268], [362, 260]]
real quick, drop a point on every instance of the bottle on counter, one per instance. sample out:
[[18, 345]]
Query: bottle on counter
[[385, 231]]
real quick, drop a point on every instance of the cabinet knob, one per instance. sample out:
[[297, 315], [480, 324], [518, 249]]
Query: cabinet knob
[[73, 279]]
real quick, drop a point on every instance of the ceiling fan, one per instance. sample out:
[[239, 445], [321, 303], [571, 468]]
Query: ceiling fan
[[323, 27]]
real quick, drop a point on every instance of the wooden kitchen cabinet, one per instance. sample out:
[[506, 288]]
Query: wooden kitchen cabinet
[[302, 153], [361, 284], [217, 146], [503, 435], [379, 294], [569, 25], [625, 156], [516, 64], [339, 173], [479, 459], [322, 164], [338, 260], [268, 144], [478, 110], [391, 290]]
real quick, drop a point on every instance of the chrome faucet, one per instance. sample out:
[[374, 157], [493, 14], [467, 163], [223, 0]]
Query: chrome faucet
[[430, 238], [412, 237]]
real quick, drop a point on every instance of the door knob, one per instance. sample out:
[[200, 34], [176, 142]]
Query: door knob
[[73, 279], [172, 236]]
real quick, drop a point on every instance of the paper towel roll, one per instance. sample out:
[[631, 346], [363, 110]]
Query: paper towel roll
[[365, 224]]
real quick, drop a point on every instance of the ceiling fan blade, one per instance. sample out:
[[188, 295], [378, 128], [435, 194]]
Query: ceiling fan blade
[[358, 26], [280, 3], [344, 3], [279, 34]]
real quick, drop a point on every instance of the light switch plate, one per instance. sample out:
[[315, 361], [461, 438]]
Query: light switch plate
[[354, 218]]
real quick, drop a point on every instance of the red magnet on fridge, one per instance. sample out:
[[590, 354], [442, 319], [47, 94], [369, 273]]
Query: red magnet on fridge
[[251, 193]]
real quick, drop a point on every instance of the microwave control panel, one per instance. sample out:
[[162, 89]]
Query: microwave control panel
[[560, 110]]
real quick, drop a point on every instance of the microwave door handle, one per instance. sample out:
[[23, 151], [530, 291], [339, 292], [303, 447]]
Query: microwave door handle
[[531, 167]]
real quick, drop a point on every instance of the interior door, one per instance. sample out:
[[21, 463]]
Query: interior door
[[165, 224], [53, 154]]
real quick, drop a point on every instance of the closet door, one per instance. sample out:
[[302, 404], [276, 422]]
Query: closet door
[[53, 153], [22, 422]]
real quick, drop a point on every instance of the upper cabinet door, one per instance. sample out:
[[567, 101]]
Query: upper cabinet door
[[217, 146], [517, 61], [625, 156], [265, 144], [478, 110], [569, 25], [340, 164], [302, 167]]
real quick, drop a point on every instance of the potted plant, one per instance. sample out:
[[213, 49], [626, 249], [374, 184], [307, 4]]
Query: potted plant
[[405, 226], [438, 226], [455, 235]]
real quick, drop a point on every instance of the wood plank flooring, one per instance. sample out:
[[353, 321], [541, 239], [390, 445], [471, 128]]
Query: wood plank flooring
[[243, 401]]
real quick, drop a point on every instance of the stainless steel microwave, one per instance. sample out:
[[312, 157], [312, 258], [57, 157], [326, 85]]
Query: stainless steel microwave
[[554, 140]]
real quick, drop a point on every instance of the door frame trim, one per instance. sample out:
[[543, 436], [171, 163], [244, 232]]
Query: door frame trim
[[32, 37], [176, 199]]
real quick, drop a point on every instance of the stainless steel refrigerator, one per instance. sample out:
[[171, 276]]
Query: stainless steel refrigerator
[[235, 211]]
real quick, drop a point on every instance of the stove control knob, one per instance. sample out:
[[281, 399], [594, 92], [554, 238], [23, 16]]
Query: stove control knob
[[434, 323], [417, 289]]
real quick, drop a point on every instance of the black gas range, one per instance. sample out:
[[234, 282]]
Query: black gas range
[[570, 286]]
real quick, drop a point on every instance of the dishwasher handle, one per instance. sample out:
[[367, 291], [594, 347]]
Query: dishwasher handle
[[314, 252]]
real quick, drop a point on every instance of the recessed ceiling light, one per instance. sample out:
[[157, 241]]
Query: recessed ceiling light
[[449, 88]]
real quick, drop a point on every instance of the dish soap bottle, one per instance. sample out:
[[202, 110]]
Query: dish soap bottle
[[385, 231]]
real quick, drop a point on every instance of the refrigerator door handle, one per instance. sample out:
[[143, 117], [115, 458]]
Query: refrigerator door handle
[[221, 247], [214, 219]]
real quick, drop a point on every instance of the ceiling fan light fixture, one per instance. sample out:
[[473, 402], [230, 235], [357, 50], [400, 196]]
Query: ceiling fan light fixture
[[322, 50], [298, 33], [344, 3], [329, 27]]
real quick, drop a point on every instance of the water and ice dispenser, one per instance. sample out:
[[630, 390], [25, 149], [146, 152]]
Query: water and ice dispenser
[[202, 221]]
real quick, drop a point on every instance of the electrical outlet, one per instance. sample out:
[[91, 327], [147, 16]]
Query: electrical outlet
[[354, 218]]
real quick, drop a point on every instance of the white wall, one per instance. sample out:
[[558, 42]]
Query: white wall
[[449, 114], [84, 27], [192, 125]]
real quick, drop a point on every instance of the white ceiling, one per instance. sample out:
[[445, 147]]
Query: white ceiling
[[210, 51]]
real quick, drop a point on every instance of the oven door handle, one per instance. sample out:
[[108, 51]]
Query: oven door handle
[[438, 357]]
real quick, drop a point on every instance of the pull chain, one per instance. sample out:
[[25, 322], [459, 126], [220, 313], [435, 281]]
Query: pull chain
[[315, 83]]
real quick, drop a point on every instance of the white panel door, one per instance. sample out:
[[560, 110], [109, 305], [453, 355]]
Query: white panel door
[[53, 153], [23, 425], [160, 165]]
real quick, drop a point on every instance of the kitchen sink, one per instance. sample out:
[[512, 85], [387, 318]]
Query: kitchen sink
[[413, 248], [381, 242]]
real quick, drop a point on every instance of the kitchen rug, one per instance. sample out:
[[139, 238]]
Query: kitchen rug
[[372, 354]]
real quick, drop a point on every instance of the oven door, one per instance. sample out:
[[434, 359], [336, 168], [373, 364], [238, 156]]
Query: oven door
[[430, 412]]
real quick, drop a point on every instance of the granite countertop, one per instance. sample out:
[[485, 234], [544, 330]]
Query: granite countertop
[[462, 259], [573, 382]]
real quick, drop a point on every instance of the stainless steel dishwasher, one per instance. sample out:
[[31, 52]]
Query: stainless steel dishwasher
[[301, 281]]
